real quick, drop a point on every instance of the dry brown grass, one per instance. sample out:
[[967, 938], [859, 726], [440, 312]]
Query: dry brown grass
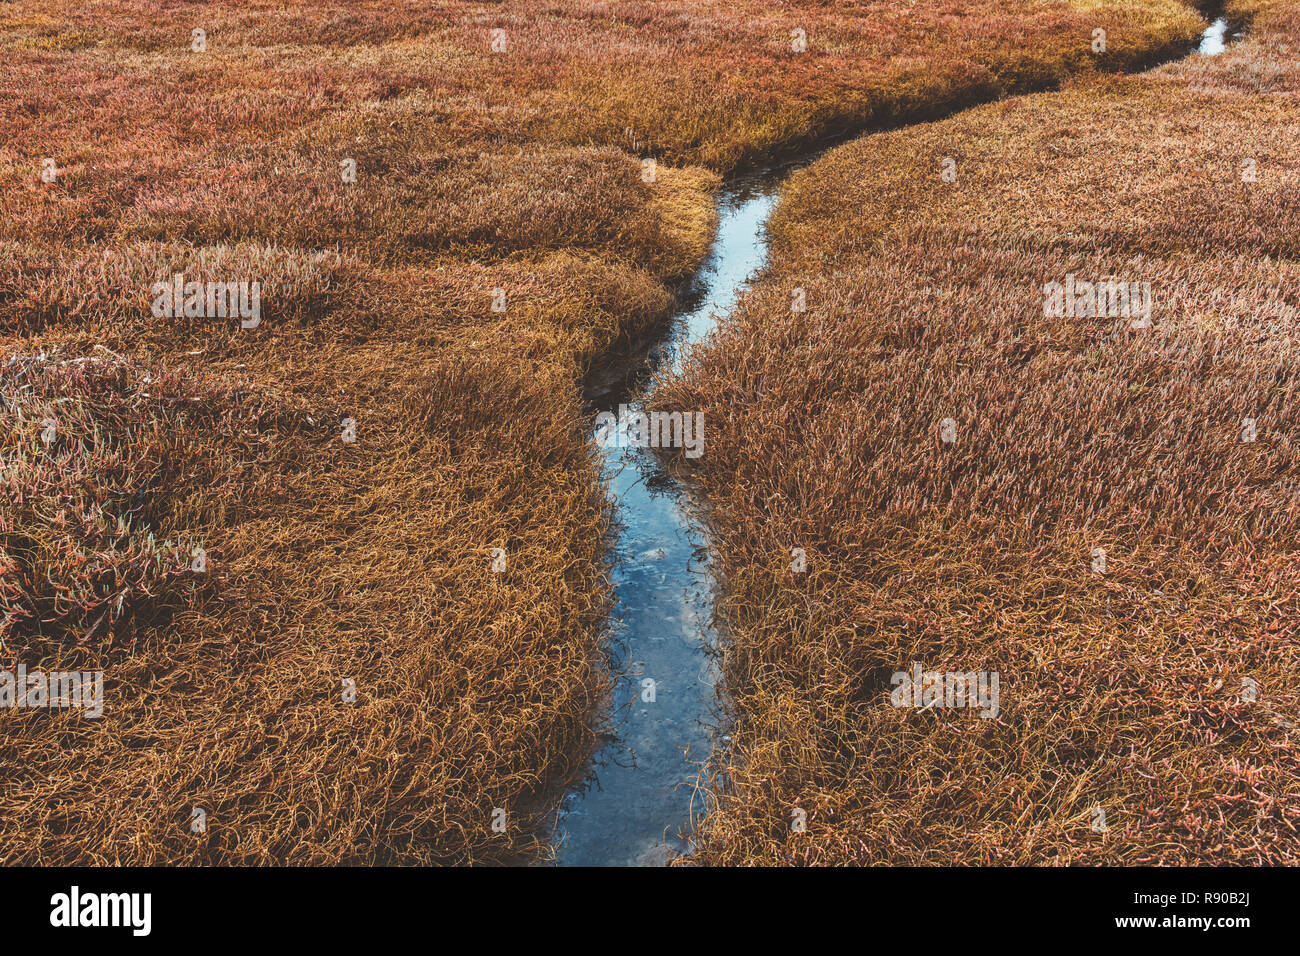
[[370, 560], [925, 301]]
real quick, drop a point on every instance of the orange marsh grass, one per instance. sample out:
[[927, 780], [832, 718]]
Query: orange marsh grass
[[1161, 692], [370, 561]]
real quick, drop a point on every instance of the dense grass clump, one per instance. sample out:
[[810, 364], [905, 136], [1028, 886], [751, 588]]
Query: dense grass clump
[[102, 458], [953, 458], [81, 461]]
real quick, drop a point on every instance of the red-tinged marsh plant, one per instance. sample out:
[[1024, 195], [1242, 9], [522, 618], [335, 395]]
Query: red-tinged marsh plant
[[84, 448], [114, 284], [96, 454]]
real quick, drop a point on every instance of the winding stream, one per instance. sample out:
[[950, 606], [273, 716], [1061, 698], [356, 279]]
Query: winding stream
[[639, 795], [637, 804]]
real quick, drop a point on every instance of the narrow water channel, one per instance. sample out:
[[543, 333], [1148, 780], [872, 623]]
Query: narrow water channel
[[639, 797], [636, 806], [1216, 38]]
